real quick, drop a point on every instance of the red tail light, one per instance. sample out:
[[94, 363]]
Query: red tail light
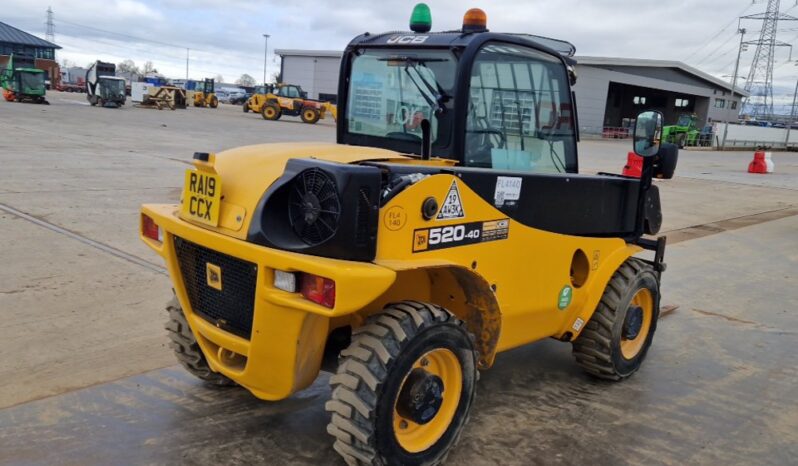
[[320, 290], [150, 229]]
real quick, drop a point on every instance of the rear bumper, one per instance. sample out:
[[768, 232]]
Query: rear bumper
[[284, 351]]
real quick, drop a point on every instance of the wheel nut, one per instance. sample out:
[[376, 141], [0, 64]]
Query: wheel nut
[[424, 362], [403, 424]]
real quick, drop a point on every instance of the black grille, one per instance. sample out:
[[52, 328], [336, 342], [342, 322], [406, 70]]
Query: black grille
[[231, 308]]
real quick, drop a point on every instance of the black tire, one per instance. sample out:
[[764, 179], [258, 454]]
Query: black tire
[[310, 115], [187, 349], [214, 102], [373, 370], [598, 348], [666, 160], [246, 107], [271, 112]]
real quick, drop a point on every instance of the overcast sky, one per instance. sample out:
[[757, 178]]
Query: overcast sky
[[225, 37]]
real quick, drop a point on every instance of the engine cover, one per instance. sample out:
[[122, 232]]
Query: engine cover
[[320, 208]]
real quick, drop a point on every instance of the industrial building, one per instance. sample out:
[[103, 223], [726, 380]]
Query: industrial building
[[609, 91], [315, 71], [16, 41]]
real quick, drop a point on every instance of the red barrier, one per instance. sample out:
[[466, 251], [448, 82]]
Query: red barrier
[[634, 165], [761, 163]]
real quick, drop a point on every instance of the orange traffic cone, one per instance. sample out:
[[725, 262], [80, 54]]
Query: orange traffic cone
[[634, 165]]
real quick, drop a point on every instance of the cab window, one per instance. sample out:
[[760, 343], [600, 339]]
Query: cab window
[[519, 112], [290, 91]]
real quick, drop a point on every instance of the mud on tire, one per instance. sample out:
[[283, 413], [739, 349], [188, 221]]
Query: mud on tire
[[187, 349], [373, 370], [604, 348]]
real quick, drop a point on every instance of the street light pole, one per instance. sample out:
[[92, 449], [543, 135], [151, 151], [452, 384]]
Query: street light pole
[[265, 54], [792, 117], [734, 85], [187, 52]]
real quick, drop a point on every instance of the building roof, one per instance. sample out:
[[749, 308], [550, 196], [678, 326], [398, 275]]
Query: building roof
[[309, 53], [13, 35], [644, 62]]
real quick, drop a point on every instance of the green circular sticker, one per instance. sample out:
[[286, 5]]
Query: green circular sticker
[[565, 297]]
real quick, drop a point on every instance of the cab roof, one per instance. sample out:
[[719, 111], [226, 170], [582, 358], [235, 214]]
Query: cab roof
[[459, 39]]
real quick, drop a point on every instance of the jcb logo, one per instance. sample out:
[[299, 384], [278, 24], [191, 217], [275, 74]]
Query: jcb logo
[[407, 39]]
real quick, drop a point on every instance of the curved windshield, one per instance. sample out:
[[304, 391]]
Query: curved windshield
[[112, 88], [393, 90]]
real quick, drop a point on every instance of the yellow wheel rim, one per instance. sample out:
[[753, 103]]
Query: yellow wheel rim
[[269, 112], [414, 437], [631, 347], [309, 114]]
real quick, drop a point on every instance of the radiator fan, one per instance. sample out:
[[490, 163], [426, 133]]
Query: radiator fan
[[314, 208]]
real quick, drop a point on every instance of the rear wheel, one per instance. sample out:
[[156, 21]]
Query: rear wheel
[[614, 343], [310, 115], [214, 102], [404, 387], [246, 106], [187, 349], [271, 112]]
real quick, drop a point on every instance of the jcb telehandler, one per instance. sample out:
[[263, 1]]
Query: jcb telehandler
[[21, 81], [448, 224], [204, 95], [276, 100]]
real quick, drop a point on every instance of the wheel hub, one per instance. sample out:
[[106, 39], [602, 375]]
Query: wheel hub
[[633, 322], [421, 396]]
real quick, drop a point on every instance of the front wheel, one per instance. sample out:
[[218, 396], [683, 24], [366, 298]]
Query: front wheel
[[614, 343], [246, 107], [214, 102], [404, 387]]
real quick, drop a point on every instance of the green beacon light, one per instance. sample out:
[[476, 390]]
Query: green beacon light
[[421, 19]]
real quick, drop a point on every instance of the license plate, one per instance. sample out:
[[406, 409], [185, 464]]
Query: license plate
[[202, 196]]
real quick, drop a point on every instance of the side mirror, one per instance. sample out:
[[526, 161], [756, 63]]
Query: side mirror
[[648, 132]]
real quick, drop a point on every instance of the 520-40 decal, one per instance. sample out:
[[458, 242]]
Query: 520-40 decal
[[429, 239]]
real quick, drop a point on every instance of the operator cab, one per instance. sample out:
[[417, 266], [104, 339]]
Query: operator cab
[[500, 101], [289, 91]]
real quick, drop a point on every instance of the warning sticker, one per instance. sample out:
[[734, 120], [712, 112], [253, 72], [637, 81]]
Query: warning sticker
[[452, 206], [429, 239]]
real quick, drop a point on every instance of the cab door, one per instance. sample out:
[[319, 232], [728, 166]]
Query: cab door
[[520, 147]]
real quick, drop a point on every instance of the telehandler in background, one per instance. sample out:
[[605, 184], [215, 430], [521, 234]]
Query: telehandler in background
[[276, 100], [103, 87], [447, 225], [21, 81], [684, 132], [204, 95]]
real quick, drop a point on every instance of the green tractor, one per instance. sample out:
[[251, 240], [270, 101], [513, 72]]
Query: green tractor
[[684, 132], [22, 81]]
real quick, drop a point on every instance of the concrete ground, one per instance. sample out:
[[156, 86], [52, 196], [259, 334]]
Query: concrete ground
[[88, 378]]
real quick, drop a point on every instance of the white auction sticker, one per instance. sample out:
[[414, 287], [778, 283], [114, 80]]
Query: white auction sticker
[[508, 188]]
